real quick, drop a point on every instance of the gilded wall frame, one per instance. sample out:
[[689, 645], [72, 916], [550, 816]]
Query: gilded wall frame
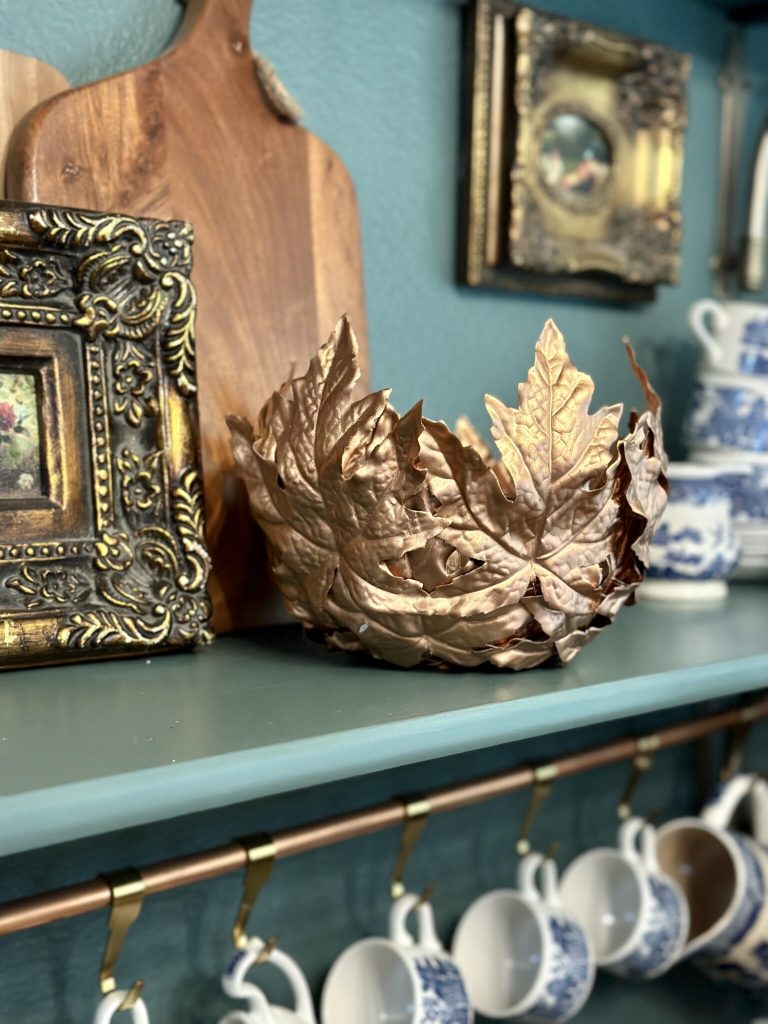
[[527, 72], [101, 516]]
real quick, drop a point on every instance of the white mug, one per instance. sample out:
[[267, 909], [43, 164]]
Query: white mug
[[397, 980], [260, 1011], [636, 917], [722, 873], [110, 1005], [524, 958], [737, 340]]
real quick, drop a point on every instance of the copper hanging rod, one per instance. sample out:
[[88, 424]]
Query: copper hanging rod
[[34, 911]]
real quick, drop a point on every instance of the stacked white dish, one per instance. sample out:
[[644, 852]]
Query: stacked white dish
[[728, 428]]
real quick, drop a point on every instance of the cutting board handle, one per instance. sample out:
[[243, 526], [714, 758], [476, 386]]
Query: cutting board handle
[[206, 22]]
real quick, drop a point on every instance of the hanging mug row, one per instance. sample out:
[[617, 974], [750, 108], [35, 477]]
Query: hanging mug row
[[694, 887]]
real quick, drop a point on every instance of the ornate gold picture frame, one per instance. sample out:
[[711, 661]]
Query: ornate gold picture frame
[[101, 516], [573, 157]]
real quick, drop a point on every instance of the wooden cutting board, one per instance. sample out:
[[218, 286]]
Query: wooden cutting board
[[277, 240], [24, 82]]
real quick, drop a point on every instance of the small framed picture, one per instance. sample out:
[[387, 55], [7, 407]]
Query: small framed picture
[[572, 158], [101, 518]]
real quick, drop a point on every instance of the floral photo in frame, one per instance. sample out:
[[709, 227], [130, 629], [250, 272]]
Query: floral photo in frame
[[102, 551]]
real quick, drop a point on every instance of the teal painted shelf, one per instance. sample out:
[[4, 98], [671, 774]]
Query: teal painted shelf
[[91, 748]]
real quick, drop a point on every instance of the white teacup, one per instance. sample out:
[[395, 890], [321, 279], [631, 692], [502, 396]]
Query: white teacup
[[636, 917], [523, 956], [722, 873], [734, 335], [111, 1004], [397, 980], [260, 1011]]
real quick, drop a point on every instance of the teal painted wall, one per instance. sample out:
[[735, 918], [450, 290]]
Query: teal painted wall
[[380, 81]]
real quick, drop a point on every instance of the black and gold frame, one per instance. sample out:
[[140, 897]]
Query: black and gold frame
[[101, 515], [572, 158]]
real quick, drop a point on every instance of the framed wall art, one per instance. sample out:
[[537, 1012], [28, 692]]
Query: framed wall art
[[572, 158], [101, 517]]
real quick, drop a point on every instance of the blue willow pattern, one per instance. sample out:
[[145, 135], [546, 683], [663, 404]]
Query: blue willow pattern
[[754, 355], [571, 975], [730, 417], [444, 998], [751, 902], [662, 939], [692, 554]]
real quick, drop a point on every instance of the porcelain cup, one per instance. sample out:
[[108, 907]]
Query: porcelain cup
[[110, 1005], [636, 917], [722, 873], [729, 412], [523, 956], [734, 335], [694, 548], [260, 1011], [399, 980], [746, 963]]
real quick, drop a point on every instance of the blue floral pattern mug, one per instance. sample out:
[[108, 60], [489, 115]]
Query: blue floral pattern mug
[[636, 917], [400, 978], [524, 957], [705, 854], [694, 548], [734, 335]]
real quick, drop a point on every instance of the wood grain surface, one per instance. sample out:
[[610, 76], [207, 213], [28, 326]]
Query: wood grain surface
[[277, 242], [24, 82]]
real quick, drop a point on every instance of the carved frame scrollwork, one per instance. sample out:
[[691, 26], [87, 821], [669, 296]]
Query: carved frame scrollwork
[[116, 562], [525, 68]]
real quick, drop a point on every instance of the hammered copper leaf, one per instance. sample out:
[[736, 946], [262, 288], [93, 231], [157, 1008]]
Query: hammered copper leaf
[[394, 535]]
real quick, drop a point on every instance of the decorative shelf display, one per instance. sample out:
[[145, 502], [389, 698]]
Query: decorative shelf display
[[263, 713]]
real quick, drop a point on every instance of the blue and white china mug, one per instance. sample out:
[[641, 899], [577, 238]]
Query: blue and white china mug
[[524, 957], [729, 412], [746, 963], [260, 1010], [694, 548], [400, 979], [734, 335], [723, 874], [110, 1006], [636, 917]]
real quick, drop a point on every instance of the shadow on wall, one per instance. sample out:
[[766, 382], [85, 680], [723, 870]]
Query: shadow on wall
[[671, 362]]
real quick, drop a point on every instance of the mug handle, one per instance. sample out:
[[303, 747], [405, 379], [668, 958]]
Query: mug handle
[[759, 797], [637, 842], [235, 986], [722, 806], [110, 1004], [697, 321], [398, 931], [530, 866]]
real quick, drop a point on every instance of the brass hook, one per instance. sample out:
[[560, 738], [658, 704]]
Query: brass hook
[[127, 889], [426, 895], [645, 746], [542, 787], [737, 739], [261, 852], [267, 950], [416, 814]]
